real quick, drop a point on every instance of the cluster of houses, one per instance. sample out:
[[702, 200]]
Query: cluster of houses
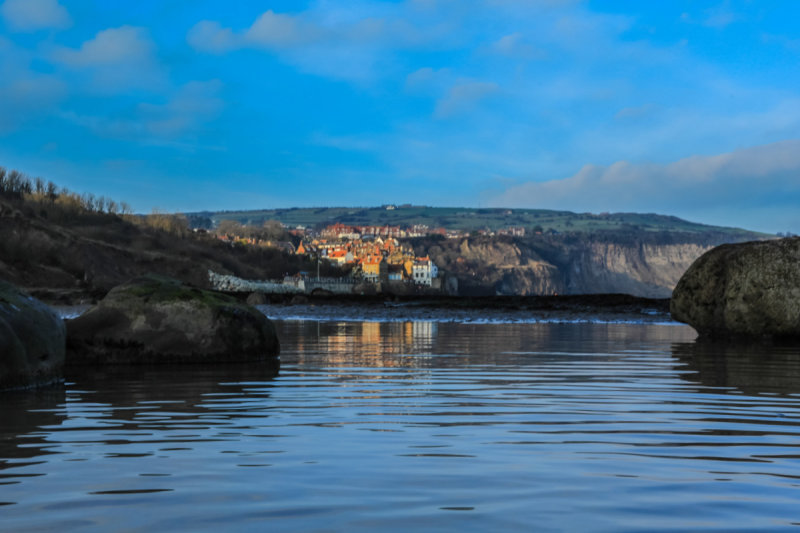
[[373, 252], [376, 259]]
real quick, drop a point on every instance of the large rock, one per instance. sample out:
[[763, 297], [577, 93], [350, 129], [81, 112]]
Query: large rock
[[159, 320], [750, 289], [32, 340]]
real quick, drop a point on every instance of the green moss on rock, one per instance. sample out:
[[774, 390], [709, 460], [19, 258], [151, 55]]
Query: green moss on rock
[[154, 319]]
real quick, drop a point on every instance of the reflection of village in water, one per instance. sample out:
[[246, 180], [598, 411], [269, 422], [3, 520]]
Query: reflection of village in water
[[431, 344], [340, 347], [369, 344]]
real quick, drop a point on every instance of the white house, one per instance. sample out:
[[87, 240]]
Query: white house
[[424, 270]]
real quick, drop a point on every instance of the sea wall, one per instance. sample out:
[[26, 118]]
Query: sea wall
[[227, 283]]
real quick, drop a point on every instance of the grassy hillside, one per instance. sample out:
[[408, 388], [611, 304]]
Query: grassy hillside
[[469, 219]]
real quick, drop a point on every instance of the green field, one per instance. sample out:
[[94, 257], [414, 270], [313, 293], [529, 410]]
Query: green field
[[469, 219]]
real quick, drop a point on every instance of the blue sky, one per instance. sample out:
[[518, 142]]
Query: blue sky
[[686, 107]]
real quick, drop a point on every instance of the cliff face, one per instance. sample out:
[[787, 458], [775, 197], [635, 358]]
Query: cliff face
[[486, 266], [640, 269]]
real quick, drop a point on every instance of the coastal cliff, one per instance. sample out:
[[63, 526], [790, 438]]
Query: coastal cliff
[[648, 270], [564, 266]]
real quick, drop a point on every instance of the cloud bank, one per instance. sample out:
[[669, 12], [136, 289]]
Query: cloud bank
[[736, 182]]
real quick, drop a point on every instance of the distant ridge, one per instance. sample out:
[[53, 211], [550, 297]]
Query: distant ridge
[[469, 219]]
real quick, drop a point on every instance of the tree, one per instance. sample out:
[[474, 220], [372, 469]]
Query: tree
[[229, 227], [273, 230]]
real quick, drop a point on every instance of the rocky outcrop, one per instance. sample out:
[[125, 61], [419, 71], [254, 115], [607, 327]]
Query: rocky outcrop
[[159, 320], [749, 289], [32, 339]]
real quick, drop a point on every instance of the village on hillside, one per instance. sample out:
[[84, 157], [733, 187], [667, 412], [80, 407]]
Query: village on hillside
[[372, 253], [369, 254]]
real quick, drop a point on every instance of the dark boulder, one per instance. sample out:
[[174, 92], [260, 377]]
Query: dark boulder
[[159, 320], [299, 299], [749, 289], [257, 298], [32, 340]]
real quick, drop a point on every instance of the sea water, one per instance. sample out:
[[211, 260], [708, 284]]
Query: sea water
[[424, 426]]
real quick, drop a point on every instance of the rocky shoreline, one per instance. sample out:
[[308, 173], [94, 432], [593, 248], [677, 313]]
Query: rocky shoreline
[[148, 320], [373, 313], [610, 308], [585, 308]]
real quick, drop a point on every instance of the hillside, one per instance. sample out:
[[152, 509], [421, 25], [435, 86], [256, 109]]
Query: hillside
[[471, 219], [66, 253]]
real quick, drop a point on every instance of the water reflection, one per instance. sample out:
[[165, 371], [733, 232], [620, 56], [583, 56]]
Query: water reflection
[[23, 416], [361, 343], [750, 367], [419, 425], [412, 344], [186, 387]]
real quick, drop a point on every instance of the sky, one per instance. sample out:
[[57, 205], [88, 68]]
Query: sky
[[688, 107]]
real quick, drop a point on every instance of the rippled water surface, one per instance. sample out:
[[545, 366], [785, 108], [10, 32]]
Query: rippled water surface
[[423, 426]]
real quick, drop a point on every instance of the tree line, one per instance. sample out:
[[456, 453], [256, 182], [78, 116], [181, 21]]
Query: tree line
[[59, 203], [15, 185]]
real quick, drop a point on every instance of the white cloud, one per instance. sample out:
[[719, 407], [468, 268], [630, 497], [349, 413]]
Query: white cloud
[[275, 30], [734, 182], [116, 58], [340, 40], [271, 31], [426, 80], [24, 94], [184, 113], [32, 15], [514, 45], [114, 46], [209, 36], [26, 97], [462, 97], [194, 104]]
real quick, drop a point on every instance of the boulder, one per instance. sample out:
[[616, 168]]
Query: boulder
[[32, 340], [299, 299], [155, 319], [749, 289], [257, 298]]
